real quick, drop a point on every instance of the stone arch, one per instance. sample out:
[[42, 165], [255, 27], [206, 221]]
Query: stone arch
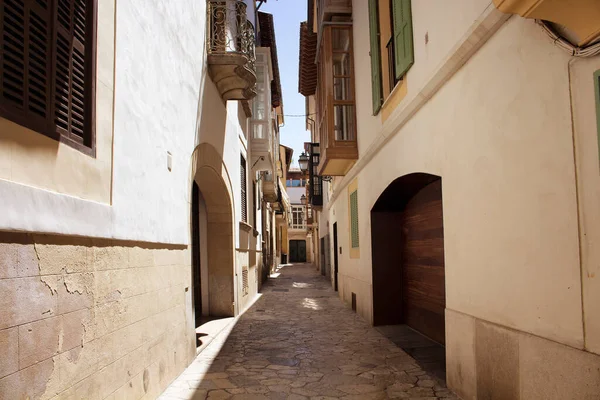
[[388, 230], [409, 287], [211, 176]]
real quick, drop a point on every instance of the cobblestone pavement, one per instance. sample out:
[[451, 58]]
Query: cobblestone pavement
[[299, 341]]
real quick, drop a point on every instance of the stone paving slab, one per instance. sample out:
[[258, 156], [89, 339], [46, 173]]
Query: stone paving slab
[[303, 344]]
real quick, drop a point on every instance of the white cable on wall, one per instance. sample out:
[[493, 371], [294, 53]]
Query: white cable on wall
[[575, 51]]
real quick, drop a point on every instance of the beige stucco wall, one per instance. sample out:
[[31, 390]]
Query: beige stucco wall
[[507, 166], [586, 138], [486, 360], [83, 318], [444, 22]]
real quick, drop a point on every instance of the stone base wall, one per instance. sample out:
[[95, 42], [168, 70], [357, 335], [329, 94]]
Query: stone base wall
[[364, 295], [488, 361], [93, 319]]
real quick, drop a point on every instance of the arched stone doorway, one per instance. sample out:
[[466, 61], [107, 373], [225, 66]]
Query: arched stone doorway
[[408, 264], [214, 237]]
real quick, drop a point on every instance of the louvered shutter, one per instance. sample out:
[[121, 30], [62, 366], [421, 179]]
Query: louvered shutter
[[403, 37], [243, 190], [375, 56], [354, 219], [72, 69], [25, 62], [597, 89]]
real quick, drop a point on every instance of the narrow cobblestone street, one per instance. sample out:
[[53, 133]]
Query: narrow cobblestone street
[[299, 341]]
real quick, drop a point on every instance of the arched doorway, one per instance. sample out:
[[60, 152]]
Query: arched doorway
[[213, 258], [407, 231]]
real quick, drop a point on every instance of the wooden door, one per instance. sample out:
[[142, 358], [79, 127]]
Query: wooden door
[[293, 251], [422, 255], [335, 257], [297, 251], [301, 250]]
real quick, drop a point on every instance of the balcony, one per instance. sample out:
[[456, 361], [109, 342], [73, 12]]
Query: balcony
[[270, 187], [262, 136], [326, 9], [336, 120], [230, 47]]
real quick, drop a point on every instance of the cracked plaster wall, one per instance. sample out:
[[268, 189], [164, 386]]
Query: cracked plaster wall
[[91, 318]]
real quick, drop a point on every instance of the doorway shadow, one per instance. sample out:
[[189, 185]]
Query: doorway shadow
[[429, 355]]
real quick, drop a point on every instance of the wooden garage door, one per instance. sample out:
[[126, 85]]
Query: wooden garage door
[[423, 287]]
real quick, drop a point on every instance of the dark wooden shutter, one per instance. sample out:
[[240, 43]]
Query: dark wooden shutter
[[243, 189], [25, 66], [47, 67], [403, 36], [72, 71], [375, 56]]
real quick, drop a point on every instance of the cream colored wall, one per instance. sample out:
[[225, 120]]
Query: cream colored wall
[[92, 319], [588, 184], [445, 22], [32, 159], [507, 167], [485, 360]]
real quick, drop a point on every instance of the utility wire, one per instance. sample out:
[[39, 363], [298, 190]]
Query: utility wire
[[299, 115]]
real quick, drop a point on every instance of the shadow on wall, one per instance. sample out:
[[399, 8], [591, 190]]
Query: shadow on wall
[[211, 124]]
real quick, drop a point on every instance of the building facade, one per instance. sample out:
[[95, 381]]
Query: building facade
[[138, 149], [464, 180], [299, 232]]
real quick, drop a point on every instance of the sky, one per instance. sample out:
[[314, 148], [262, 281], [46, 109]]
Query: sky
[[287, 15]]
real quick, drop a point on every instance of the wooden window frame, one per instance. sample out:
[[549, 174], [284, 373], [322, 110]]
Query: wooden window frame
[[325, 89], [48, 126]]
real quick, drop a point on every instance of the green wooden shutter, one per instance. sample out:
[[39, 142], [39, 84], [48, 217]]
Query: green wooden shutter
[[354, 219], [375, 56], [597, 90], [403, 37]]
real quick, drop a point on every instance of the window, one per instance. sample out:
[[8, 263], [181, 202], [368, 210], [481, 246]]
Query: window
[[335, 92], [343, 101], [354, 219], [47, 68], [243, 183], [315, 192], [392, 53], [295, 182], [298, 217]]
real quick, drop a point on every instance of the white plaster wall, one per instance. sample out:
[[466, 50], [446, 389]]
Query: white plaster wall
[[159, 71], [159, 65], [499, 134]]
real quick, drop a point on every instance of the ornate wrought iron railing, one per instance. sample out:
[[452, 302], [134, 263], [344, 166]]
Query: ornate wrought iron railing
[[230, 32]]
